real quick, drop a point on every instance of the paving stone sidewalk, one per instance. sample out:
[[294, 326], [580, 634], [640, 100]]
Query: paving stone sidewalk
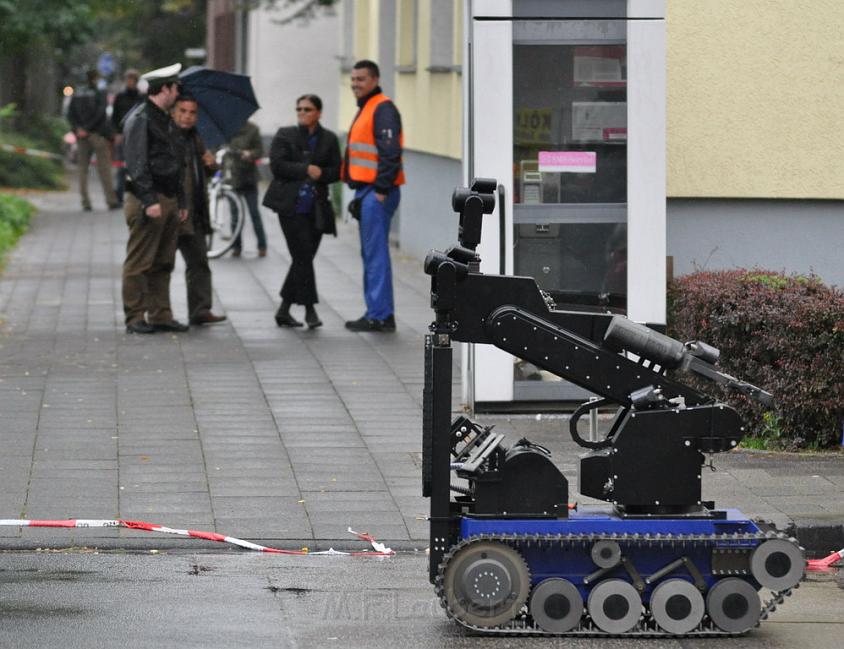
[[282, 436]]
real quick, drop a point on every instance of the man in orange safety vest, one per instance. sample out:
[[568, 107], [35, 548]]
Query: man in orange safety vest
[[372, 166]]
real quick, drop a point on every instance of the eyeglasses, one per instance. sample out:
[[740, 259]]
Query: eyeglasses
[[304, 110]]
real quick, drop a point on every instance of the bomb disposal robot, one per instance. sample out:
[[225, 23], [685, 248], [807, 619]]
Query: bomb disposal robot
[[506, 553]]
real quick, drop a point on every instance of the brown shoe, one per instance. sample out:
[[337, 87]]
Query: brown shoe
[[262, 252], [207, 319], [235, 253]]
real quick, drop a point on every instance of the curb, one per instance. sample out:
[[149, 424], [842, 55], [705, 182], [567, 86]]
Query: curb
[[818, 536]]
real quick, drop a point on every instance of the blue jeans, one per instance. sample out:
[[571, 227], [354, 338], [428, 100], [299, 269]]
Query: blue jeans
[[120, 175], [250, 194], [375, 217]]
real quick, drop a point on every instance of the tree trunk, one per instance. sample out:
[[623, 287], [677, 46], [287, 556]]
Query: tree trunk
[[13, 80]]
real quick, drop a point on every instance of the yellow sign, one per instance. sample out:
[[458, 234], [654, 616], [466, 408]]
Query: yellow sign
[[532, 125]]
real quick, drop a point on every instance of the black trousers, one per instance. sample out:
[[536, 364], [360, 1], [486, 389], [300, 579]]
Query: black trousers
[[197, 273], [302, 241]]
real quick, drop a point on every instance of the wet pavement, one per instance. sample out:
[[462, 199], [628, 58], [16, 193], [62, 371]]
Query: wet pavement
[[201, 599]]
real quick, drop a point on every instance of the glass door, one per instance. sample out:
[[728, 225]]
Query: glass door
[[569, 171]]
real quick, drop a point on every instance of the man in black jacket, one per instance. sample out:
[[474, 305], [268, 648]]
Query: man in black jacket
[[192, 232], [155, 204], [123, 103], [87, 117]]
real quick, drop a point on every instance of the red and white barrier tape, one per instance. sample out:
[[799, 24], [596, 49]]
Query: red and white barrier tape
[[11, 148], [378, 549], [826, 562]]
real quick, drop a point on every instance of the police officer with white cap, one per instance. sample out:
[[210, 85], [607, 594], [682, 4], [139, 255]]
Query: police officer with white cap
[[154, 205]]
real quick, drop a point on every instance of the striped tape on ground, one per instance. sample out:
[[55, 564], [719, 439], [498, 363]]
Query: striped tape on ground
[[378, 549]]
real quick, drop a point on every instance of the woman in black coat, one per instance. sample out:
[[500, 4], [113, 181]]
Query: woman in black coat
[[305, 160]]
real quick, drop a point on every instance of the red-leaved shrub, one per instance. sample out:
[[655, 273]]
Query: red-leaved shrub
[[782, 333]]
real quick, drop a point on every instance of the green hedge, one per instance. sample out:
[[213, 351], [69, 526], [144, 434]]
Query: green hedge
[[14, 219], [45, 134], [18, 170], [784, 333]]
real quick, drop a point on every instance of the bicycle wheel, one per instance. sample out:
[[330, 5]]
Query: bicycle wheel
[[227, 209]]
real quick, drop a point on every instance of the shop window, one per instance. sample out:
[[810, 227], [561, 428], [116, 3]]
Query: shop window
[[570, 126]]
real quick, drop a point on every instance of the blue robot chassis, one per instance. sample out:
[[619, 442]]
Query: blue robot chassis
[[508, 554]]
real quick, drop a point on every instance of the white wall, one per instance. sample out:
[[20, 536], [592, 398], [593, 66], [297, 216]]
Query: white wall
[[287, 61]]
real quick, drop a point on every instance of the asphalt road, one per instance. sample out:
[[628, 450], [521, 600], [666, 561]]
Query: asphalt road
[[86, 599]]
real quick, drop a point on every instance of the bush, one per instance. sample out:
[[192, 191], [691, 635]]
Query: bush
[[14, 219], [18, 170], [43, 133], [782, 333]]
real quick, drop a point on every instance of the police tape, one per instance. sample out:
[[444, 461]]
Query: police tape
[[826, 562], [11, 148], [378, 549]]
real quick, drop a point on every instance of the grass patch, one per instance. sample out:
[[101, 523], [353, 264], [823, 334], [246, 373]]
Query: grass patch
[[15, 214]]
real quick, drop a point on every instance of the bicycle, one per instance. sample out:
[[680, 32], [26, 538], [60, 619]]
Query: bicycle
[[226, 209]]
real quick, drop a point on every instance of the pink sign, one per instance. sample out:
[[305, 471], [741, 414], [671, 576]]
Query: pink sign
[[579, 162]]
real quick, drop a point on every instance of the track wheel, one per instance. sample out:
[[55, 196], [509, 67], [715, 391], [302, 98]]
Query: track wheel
[[677, 606], [556, 605], [777, 564], [615, 606], [486, 584], [733, 605]]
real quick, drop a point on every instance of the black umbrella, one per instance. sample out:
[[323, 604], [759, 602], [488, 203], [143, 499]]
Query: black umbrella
[[226, 101]]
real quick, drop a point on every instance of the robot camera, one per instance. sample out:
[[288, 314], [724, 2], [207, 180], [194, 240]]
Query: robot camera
[[482, 189]]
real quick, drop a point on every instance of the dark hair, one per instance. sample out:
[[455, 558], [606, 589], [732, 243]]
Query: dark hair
[[316, 101], [366, 64], [156, 87], [92, 75], [186, 96]]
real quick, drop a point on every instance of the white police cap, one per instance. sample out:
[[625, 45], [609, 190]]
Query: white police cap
[[167, 74]]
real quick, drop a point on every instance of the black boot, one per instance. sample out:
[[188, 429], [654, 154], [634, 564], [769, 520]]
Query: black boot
[[311, 317], [283, 317]]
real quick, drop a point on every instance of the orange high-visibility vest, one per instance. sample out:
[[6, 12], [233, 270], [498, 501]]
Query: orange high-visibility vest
[[361, 150]]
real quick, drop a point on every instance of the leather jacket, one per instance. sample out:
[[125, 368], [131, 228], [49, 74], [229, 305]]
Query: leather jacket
[[155, 162]]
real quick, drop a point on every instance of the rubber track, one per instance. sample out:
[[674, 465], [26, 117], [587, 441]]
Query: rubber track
[[522, 624]]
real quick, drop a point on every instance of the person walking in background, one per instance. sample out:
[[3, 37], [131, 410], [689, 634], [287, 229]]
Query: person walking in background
[[193, 230], [305, 160], [155, 203], [124, 101], [247, 148], [372, 166], [87, 117]]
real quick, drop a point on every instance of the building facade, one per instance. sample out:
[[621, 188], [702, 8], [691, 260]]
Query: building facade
[[755, 162], [285, 56], [418, 44], [755, 165]]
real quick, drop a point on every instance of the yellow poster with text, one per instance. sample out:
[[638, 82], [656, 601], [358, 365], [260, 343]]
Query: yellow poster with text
[[532, 125]]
